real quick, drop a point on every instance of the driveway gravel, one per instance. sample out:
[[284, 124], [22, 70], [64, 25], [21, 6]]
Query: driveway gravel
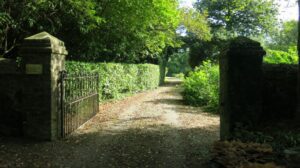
[[150, 129]]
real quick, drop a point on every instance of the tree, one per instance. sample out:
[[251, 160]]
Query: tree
[[193, 22], [19, 19], [239, 17], [201, 50], [102, 30], [196, 29], [228, 19], [285, 37], [136, 30]]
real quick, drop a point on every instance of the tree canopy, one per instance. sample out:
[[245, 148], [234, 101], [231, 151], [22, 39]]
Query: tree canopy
[[239, 17], [195, 23], [285, 37], [138, 28], [102, 30], [19, 19], [228, 19]]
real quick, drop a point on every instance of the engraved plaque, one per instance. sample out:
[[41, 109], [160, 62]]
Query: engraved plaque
[[34, 69]]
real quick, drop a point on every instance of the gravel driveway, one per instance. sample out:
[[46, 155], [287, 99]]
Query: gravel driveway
[[150, 129]]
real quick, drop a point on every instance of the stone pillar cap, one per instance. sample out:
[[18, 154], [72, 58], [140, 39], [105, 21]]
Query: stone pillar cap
[[44, 42], [242, 42]]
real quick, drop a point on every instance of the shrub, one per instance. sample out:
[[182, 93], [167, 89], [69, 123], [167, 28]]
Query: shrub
[[201, 87], [282, 57], [116, 79]]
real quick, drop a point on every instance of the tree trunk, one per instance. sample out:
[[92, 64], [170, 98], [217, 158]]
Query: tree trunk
[[163, 61]]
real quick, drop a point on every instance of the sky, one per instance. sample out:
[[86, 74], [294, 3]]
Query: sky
[[288, 8]]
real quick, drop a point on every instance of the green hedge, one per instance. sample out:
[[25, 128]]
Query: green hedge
[[201, 87], [282, 57], [117, 79]]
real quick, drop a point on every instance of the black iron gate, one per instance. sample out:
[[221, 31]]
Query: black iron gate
[[79, 100]]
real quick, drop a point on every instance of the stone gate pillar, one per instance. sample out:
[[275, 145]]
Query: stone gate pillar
[[43, 56], [240, 84]]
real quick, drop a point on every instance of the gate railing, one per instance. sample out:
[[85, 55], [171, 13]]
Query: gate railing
[[80, 100]]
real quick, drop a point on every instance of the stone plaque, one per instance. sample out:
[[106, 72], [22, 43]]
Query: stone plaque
[[34, 69]]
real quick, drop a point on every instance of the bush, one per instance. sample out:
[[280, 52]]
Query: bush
[[117, 79], [201, 87], [282, 57]]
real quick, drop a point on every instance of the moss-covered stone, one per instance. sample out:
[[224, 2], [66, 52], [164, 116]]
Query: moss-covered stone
[[240, 84], [243, 42]]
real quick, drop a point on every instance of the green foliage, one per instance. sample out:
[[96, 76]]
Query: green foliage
[[239, 17], [196, 23], [229, 19], [196, 28], [120, 31], [201, 87], [202, 50], [178, 63], [285, 37], [119, 79], [19, 19], [282, 57], [137, 29]]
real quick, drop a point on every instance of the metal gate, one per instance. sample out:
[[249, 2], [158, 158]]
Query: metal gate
[[79, 100]]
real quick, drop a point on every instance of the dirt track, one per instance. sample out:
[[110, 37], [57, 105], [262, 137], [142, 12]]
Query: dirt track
[[150, 129]]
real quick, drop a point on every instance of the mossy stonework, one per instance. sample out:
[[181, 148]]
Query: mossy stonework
[[279, 92], [30, 91], [44, 57], [240, 84], [10, 98]]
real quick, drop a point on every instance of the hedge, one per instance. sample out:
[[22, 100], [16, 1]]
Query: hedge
[[282, 57], [116, 79], [201, 86]]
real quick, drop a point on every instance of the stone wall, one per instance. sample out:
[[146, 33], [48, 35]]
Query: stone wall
[[29, 93], [240, 84], [253, 94], [279, 92], [11, 116]]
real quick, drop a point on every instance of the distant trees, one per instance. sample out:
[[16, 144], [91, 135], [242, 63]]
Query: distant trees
[[136, 30], [193, 27], [281, 45], [229, 19], [196, 23], [239, 17], [285, 37], [178, 63]]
